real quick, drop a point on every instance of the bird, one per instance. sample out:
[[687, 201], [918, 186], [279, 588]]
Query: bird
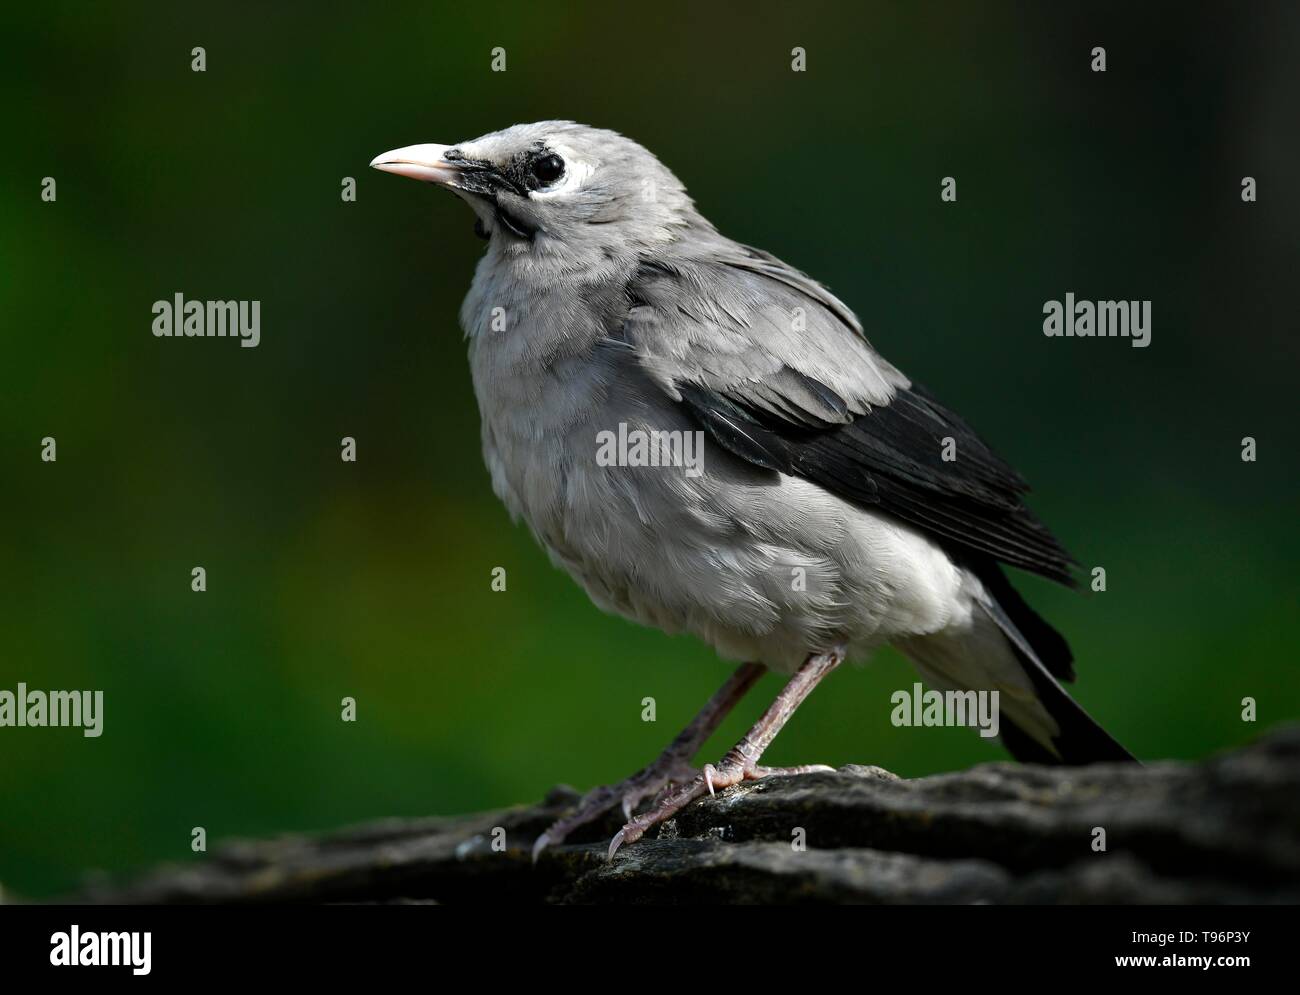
[[835, 506]]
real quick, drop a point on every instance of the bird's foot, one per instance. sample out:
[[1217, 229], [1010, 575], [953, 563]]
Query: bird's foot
[[710, 780], [655, 780]]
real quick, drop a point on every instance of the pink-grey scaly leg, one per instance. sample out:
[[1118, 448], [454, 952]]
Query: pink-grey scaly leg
[[741, 761], [672, 765]]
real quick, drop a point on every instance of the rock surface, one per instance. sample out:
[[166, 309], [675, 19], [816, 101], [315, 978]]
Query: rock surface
[[1223, 831]]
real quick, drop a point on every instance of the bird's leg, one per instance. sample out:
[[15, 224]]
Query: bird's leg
[[741, 761], [672, 765]]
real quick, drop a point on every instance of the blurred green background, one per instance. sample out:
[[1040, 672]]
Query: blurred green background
[[371, 579]]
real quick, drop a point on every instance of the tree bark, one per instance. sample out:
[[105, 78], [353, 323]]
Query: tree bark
[[1225, 830]]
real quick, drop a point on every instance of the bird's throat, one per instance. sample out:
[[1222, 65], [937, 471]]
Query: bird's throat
[[513, 224]]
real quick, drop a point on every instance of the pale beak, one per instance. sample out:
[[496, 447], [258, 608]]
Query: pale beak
[[419, 162]]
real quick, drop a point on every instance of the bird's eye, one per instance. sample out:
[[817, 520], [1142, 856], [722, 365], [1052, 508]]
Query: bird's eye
[[548, 168]]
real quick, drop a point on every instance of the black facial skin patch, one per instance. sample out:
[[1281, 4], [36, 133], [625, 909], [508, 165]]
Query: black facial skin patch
[[481, 177]]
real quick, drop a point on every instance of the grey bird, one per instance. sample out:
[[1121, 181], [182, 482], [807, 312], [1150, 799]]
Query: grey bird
[[823, 517]]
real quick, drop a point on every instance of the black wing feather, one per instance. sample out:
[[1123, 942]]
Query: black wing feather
[[891, 459]]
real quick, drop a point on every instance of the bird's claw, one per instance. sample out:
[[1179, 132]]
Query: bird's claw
[[710, 779], [656, 780], [615, 843], [541, 843]]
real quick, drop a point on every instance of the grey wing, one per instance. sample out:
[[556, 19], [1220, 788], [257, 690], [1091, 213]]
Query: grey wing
[[744, 318], [777, 370]]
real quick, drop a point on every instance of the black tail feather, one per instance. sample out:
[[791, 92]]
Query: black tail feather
[[1080, 739], [1048, 645]]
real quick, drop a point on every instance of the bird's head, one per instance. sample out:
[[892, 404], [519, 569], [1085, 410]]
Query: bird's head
[[559, 195]]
